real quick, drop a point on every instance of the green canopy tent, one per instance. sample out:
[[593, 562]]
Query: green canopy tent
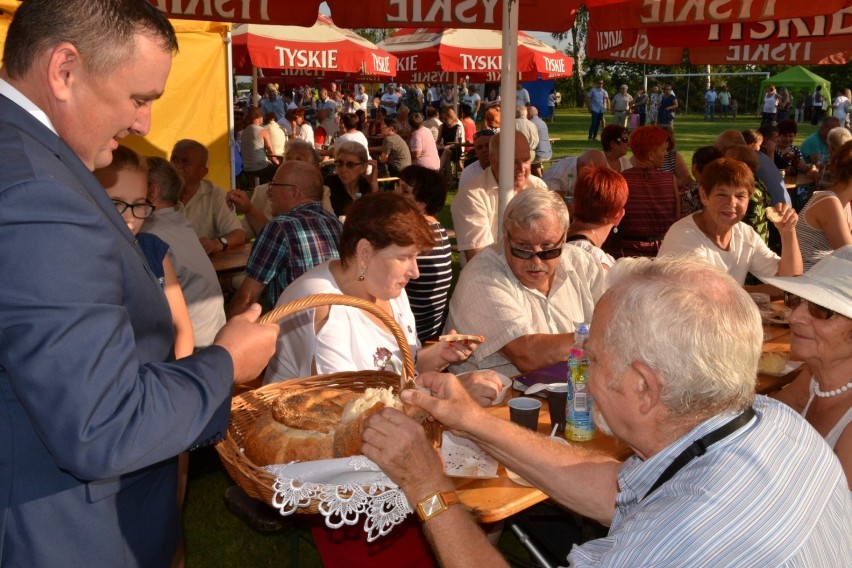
[[796, 79]]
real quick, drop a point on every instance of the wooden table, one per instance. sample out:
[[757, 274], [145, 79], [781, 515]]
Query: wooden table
[[492, 500], [232, 260], [792, 182]]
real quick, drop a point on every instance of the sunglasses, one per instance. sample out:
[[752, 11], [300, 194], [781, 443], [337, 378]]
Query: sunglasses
[[347, 165], [273, 184], [139, 210], [624, 139], [547, 254], [816, 311]]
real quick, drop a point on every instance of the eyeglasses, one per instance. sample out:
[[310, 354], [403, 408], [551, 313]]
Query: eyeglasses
[[139, 210], [816, 311], [273, 184], [347, 165], [524, 254]]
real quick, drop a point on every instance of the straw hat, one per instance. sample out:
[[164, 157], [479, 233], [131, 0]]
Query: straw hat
[[828, 282]]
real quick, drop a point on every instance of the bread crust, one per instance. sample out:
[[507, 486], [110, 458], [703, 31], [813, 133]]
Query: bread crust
[[314, 424]]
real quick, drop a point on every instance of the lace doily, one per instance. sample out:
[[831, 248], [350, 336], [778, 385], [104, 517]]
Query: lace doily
[[343, 489]]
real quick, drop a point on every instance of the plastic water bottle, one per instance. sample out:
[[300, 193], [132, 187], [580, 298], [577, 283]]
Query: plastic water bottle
[[579, 424]]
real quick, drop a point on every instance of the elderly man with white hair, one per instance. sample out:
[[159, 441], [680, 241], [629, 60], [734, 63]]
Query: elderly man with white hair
[[525, 293], [474, 208], [622, 105], [719, 476]]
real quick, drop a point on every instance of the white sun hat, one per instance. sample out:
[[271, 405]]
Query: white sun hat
[[828, 282]]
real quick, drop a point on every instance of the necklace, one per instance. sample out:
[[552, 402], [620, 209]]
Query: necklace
[[834, 392]]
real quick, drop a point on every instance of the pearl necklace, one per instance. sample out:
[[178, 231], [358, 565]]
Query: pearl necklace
[[834, 392]]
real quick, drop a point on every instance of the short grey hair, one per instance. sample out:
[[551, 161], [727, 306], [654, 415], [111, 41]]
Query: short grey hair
[[304, 145], [162, 173], [837, 137], [659, 317], [186, 143], [532, 206], [351, 147]]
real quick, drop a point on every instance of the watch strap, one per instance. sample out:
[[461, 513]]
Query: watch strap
[[435, 504]]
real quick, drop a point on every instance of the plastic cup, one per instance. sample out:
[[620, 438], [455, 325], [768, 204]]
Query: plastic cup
[[524, 411], [557, 397], [763, 303]]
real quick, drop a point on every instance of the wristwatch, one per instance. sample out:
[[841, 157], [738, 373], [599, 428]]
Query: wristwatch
[[224, 242], [436, 503]]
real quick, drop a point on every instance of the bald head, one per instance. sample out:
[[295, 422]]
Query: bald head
[[729, 139], [532, 111], [591, 158], [304, 175]]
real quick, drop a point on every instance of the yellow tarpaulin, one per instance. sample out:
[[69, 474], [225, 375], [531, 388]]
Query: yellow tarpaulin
[[195, 104]]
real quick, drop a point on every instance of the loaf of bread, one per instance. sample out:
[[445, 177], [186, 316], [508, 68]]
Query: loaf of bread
[[772, 362], [315, 424]]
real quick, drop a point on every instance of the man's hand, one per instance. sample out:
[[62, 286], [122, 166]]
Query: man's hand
[[449, 402], [239, 199], [400, 448], [210, 246], [250, 344], [483, 386]]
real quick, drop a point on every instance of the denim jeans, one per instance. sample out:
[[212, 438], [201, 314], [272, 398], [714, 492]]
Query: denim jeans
[[597, 117]]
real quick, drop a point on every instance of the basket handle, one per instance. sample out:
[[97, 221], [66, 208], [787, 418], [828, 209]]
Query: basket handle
[[317, 300]]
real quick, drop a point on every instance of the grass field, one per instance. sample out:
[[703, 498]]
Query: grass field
[[215, 538]]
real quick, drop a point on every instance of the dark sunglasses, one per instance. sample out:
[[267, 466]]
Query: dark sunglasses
[[347, 165], [272, 185], [524, 254], [139, 210], [816, 311], [624, 139]]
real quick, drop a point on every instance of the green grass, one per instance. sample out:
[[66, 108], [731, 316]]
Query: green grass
[[215, 538]]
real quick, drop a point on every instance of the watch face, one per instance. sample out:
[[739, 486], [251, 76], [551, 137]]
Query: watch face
[[431, 506]]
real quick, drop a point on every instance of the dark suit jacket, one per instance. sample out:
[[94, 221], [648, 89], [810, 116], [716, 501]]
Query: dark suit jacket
[[91, 412]]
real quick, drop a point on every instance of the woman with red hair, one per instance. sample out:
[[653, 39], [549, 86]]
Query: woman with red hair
[[653, 202], [599, 197]]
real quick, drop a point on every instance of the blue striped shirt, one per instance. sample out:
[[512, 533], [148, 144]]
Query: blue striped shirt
[[772, 494], [291, 244]]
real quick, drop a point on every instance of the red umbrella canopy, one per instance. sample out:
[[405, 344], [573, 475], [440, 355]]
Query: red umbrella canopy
[[536, 15], [621, 14], [301, 13], [322, 46], [812, 40], [433, 54]]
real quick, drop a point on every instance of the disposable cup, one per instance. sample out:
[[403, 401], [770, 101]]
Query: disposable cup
[[557, 397], [524, 412]]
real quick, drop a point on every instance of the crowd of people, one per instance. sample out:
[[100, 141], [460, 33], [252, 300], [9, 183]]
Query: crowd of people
[[120, 354]]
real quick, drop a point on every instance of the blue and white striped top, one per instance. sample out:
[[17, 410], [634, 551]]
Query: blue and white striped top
[[771, 494]]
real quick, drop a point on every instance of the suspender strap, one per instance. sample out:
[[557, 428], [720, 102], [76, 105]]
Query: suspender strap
[[699, 446]]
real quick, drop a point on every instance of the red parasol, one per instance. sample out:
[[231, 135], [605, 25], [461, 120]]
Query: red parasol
[[323, 46], [302, 13], [433, 55], [536, 15], [625, 14]]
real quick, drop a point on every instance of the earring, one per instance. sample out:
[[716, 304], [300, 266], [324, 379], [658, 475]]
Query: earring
[[363, 271], [615, 229]]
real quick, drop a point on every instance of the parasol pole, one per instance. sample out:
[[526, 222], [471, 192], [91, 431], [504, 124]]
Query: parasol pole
[[231, 139], [508, 82], [254, 76]]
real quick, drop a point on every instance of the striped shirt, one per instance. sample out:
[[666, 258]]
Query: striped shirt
[[771, 494], [813, 242], [291, 244], [428, 294]]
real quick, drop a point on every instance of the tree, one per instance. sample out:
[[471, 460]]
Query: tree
[[576, 49]]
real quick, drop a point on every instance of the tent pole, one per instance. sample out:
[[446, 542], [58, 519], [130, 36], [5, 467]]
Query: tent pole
[[231, 140], [508, 82]]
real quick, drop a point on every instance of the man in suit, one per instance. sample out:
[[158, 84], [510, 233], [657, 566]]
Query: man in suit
[[93, 408]]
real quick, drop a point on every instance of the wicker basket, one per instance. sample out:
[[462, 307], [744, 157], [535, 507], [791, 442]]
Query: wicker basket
[[249, 406]]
